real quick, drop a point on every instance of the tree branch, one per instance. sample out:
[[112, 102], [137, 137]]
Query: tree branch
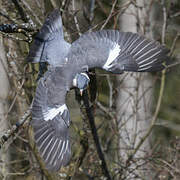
[[25, 28], [110, 15], [95, 135], [15, 128], [22, 13]]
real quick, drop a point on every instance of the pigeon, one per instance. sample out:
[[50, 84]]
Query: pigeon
[[110, 50]]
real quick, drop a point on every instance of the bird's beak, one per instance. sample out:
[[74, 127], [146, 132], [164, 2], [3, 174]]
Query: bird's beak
[[81, 92]]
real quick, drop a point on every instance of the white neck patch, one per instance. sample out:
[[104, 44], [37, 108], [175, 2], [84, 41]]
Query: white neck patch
[[112, 56], [51, 113]]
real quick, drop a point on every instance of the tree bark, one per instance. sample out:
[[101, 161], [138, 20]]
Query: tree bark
[[4, 91], [134, 100]]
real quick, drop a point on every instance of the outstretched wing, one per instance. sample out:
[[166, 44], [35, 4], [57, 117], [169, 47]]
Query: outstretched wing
[[117, 51], [51, 120], [49, 44]]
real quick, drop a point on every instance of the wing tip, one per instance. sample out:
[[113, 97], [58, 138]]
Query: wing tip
[[53, 22], [54, 164], [51, 30], [53, 144]]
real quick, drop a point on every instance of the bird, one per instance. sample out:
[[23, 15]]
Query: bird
[[110, 50]]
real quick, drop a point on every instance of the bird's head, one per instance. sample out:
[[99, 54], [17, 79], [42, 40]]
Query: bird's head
[[81, 81]]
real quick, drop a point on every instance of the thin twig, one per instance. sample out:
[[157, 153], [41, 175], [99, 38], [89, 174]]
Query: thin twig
[[4, 14], [153, 122], [105, 110], [75, 19], [169, 165], [15, 128], [172, 65], [26, 5], [14, 37], [92, 4], [175, 15], [14, 99], [110, 90], [112, 10], [174, 43], [54, 3], [164, 22], [22, 13], [103, 9]]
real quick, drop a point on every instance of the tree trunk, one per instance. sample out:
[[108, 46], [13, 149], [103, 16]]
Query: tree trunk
[[4, 91], [133, 101]]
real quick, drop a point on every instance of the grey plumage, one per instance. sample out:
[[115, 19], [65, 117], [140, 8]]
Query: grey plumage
[[50, 36], [51, 135], [111, 50], [93, 49]]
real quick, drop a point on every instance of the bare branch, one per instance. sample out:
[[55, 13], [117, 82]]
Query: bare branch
[[174, 43], [92, 10], [164, 22], [26, 18], [75, 19], [153, 122], [110, 15], [9, 133], [95, 135]]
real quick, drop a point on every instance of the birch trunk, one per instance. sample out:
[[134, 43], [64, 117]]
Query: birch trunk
[[4, 91], [134, 100]]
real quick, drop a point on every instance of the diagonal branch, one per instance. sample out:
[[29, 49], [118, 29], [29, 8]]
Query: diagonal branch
[[109, 17], [9, 133], [95, 135], [24, 16], [21, 11]]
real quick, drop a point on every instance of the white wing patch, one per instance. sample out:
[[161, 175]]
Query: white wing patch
[[112, 56], [51, 113]]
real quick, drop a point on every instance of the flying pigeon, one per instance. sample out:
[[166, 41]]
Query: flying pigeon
[[110, 50]]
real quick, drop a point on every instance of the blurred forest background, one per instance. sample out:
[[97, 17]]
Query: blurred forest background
[[137, 116]]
